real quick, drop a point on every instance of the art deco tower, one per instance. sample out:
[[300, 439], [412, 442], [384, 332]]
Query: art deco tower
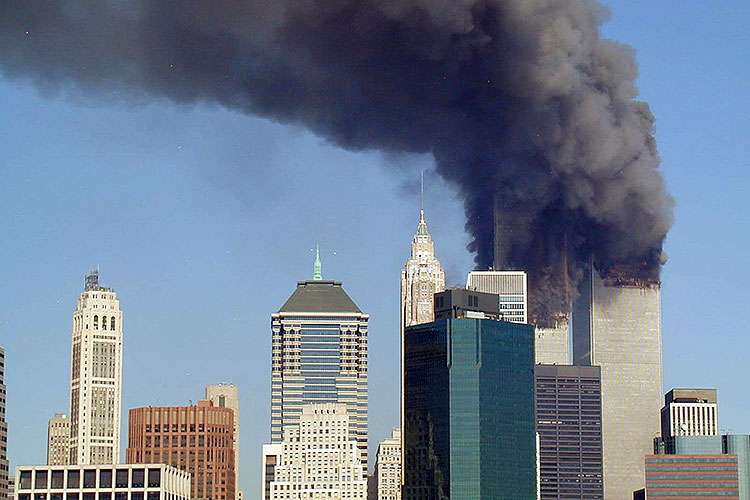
[[96, 376], [421, 278], [319, 355]]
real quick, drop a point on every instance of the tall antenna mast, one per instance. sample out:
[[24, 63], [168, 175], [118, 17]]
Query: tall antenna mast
[[421, 194]]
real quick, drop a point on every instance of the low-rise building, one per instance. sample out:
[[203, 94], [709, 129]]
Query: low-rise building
[[102, 482]]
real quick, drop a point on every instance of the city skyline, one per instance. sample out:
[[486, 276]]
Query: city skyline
[[170, 266]]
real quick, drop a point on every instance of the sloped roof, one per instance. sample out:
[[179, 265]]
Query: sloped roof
[[320, 296]]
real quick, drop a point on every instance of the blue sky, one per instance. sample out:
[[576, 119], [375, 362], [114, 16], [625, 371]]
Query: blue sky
[[203, 220]]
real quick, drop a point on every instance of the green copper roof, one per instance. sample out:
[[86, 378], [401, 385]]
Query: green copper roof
[[318, 296], [317, 274]]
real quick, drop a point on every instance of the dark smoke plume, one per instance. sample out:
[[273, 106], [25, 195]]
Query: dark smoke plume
[[519, 99]]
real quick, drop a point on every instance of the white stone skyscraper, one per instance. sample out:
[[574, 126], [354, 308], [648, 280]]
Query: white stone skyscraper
[[96, 376], [225, 396], [617, 326], [319, 355], [316, 459], [421, 278]]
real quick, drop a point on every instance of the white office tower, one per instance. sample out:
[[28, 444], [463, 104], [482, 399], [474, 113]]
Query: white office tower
[[387, 476], [510, 286], [617, 326], [225, 396], [96, 376], [319, 355], [421, 278], [58, 440], [317, 459], [551, 345], [690, 412]]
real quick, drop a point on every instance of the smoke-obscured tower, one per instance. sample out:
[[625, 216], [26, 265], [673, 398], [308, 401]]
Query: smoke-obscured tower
[[96, 376], [617, 326]]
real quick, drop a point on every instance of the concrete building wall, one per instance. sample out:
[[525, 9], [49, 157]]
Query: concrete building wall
[[96, 376], [113, 482], [58, 440], [617, 325], [225, 396]]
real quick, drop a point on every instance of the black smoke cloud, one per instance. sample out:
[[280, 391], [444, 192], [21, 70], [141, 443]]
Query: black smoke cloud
[[517, 100]]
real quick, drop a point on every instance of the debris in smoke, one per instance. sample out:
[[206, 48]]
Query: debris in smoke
[[517, 99]]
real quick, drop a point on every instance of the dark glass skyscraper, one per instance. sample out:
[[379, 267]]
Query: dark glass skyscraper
[[469, 405], [569, 424]]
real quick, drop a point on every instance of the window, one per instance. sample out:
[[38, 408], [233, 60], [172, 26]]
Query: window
[[89, 480], [136, 495], [40, 496], [105, 478], [105, 496], [104, 322], [121, 480], [121, 496], [71, 496], [55, 496], [96, 322], [154, 478], [57, 479], [153, 495], [40, 482], [138, 478], [112, 323], [89, 496], [74, 480]]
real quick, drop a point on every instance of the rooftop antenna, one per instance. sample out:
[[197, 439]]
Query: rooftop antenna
[[421, 197]]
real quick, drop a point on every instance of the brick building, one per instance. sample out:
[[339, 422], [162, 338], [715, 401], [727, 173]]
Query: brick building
[[197, 439]]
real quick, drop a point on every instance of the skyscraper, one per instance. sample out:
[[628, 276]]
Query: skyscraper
[[319, 355], [225, 396], [196, 439], [689, 412], [3, 432], [421, 278], [617, 325], [569, 425], [469, 406], [96, 376], [58, 440], [509, 286], [387, 476], [316, 459]]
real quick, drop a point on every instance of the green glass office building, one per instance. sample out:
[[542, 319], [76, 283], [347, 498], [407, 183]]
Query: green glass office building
[[469, 411]]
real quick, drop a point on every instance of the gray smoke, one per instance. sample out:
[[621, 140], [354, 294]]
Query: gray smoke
[[519, 99]]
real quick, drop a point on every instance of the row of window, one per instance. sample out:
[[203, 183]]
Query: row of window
[[123, 479]]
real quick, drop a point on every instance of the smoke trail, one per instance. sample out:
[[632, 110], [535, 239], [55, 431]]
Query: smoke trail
[[519, 99]]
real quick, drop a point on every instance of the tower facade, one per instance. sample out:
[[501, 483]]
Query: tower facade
[[58, 440], [196, 439], [96, 376], [317, 458], [469, 405], [690, 412], [3, 432], [421, 278], [319, 355], [387, 476], [569, 426], [617, 326], [225, 396], [509, 286]]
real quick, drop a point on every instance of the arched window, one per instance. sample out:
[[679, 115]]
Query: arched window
[[112, 323], [104, 322], [96, 322]]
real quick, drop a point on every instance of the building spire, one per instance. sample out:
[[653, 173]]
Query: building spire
[[317, 274]]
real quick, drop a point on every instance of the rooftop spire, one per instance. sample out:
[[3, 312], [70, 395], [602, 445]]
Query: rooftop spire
[[317, 274]]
